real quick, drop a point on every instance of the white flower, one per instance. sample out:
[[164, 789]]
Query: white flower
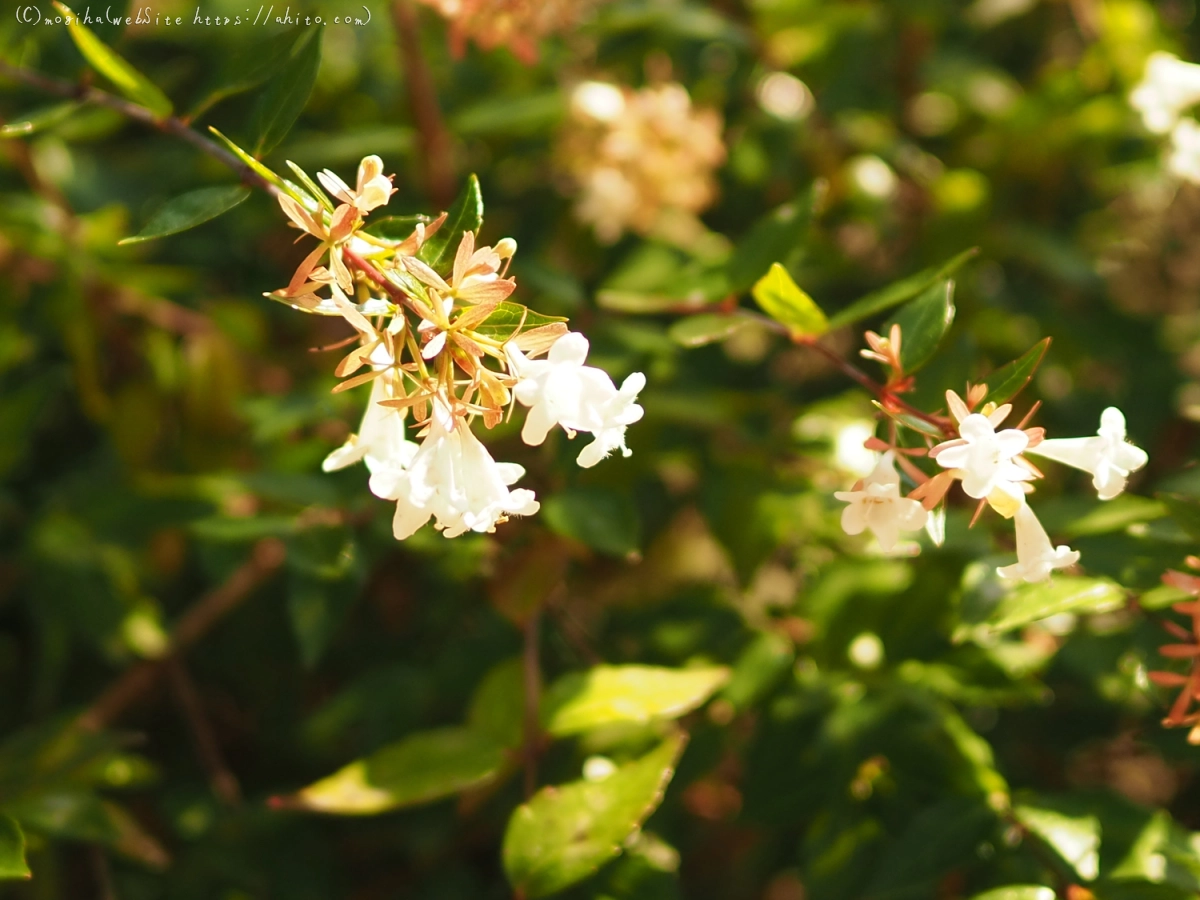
[[1168, 87], [1036, 557], [381, 441], [561, 390], [985, 457], [372, 191], [1108, 457], [875, 503], [1184, 159], [453, 479]]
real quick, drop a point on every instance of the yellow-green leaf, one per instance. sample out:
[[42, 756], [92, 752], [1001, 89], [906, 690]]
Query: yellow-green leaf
[[783, 300], [128, 80], [566, 832], [1058, 595], [609, 695], [420, 768], [12, 850]]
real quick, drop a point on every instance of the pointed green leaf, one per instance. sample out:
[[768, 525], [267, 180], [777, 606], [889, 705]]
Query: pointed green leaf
[[1032, 602], [266, 174], [508, 318], [923, 323], [128, 80], [783, 300], [1018, 892], [1075, 838], [707, 328], [604, 520], [1008, 381], [189, 210], [248, 68], [899, 291], [418, 769], [465, 214], [287, 94], [566, 832], [609, 695], [39, 120], [775, 236], [12, 850]]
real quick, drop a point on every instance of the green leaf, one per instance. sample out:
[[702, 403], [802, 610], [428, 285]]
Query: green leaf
[[128, 80], [12, 850], [610, 695], [465, 214], [1018, 892], [566, 832], [758, 668], [259, 169], [1008, 381], [1075, 838], [508, 318], [248, 68], [287, 94], [923, 323], [707, 328], [1032, 602], [603, 519], [39, 120], [774, 237], [1184, 510], [783, 300], [498, 706], [189, 210], [395, 228], [420, 768], [899, 291]]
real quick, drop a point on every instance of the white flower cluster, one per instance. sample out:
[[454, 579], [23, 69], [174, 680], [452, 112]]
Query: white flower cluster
[[450, 476], [991, 467], [1167, 90], [448, 346], [634, 155]]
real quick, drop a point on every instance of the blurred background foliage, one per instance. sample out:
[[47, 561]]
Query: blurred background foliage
[[162, 427]]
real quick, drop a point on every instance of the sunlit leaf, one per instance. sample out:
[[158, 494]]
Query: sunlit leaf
[[783, 300], [189, 210], [608, 695], [1008, 381], [898, 291], [1018, 892], [128, 80], [566, 832], [1075, 838], [418, 769], [12, 850], [465, 214], [923, 323], [287, 94], [508, 318], [1060, 594]]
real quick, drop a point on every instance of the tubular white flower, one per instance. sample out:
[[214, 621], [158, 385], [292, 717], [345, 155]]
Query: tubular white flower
[[453, 479], [984, 457], [381, 441], [372, 191], [1108, 457], [1036, 556], [1168, 87], [875, 503], [561, 390]]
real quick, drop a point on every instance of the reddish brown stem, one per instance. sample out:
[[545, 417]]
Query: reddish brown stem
[[433, 138]]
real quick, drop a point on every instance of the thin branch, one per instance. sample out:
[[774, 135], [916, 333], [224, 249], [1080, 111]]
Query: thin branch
[[210, 609], [224, 784], [170, 125], [437, 149]]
